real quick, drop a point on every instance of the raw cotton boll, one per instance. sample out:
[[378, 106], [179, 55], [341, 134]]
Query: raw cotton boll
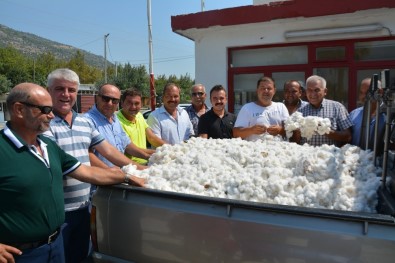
[[268, 170], [308, 125]]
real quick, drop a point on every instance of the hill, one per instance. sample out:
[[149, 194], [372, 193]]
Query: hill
[[32, 45]]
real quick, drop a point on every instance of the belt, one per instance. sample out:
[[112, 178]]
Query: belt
[[31, 245]]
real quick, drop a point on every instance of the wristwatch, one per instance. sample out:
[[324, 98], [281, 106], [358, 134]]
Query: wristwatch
[[127, 178]]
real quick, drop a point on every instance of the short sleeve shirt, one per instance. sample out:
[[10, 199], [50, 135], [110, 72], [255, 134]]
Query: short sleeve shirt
[[136, 132], [171, 130], [216, 127], [76, 141], [252, 114], [332, 110], [356, 117], [31, 188], [194, 117], [112, 132]]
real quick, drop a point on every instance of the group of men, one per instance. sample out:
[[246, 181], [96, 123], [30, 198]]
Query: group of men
[[51, 156]]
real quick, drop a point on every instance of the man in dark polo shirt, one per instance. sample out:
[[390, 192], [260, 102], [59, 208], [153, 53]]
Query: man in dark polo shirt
[[31, 180], [217, 123]]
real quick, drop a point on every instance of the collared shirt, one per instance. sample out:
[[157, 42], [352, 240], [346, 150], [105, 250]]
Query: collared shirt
[[167, 128], [301, 103], [112, 132], [332, 110], [356, 117], [216, 127], [136, 132], [31, 188], [76, 141], [194, 117]]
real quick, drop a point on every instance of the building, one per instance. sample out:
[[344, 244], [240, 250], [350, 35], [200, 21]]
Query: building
[[343, 41], [85, 98]]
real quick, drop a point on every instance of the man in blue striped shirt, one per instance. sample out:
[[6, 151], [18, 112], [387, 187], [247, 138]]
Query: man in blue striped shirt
[[75, 134]]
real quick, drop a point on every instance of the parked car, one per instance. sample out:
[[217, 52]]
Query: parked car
[[146, 113]]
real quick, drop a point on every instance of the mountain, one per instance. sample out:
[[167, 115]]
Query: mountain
[[32, 45]]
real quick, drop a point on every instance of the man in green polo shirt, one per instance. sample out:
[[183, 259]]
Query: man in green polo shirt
[[134, 124], [31, 180]]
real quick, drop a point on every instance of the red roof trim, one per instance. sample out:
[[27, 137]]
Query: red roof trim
[[278, 10]]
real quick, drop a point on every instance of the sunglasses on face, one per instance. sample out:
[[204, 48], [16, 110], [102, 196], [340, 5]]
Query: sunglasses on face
[[107, 99], [195, 94], [43, 109]]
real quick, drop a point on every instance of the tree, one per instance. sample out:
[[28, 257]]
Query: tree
[[14, 66], [186, 83], [5, 84], [87, 74]]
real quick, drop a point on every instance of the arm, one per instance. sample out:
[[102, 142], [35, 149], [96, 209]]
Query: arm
[[296, 137], [100, 176], [6, 253], [244, 132], [116, 157], [153, 139], [135, 151], [95, 161], [340, 136]]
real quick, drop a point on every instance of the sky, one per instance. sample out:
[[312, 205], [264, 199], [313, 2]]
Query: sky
[[83, 24]]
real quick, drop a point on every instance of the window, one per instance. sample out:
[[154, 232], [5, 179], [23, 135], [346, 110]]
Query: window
[[375, 50], [269, 56], [343, 63], [330, 53]]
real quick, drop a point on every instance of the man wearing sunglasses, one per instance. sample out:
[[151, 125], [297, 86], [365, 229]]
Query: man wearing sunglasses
[[76, 134], [198, 106], [105, 120], [33, 169]]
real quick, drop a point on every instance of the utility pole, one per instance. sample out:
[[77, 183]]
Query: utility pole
[[105, 57], [202, 5], [151, 70], [116, 69], [34, 69]]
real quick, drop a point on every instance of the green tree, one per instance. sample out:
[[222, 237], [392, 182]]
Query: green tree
[[14, 66], [129, 76], [186, 83], [5, 84], [87, 74]]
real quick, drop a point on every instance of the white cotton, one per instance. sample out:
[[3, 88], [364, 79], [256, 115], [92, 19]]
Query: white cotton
[[267, 170], [308, 126]]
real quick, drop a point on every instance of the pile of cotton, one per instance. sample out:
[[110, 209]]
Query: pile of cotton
[[308, 126], [267, 171]]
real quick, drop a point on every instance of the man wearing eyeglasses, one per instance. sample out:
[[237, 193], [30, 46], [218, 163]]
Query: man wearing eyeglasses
[[105, 120], [198, 106], [76, 134], [32, 171]]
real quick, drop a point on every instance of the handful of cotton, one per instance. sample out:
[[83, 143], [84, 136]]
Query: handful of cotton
[[308, 126], [267, 171]]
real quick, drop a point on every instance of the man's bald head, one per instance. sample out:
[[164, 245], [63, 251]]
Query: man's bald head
[[23, 92]]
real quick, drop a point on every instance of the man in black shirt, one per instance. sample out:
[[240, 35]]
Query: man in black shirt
[[217, 123]]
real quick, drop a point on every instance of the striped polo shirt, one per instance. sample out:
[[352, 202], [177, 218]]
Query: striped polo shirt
[[76, 141]]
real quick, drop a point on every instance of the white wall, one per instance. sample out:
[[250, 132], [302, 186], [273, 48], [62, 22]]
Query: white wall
[[211, 44]]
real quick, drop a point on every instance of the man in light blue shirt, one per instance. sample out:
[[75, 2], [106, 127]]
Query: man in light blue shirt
[[356, 116], [106, 122], [170, 122]]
